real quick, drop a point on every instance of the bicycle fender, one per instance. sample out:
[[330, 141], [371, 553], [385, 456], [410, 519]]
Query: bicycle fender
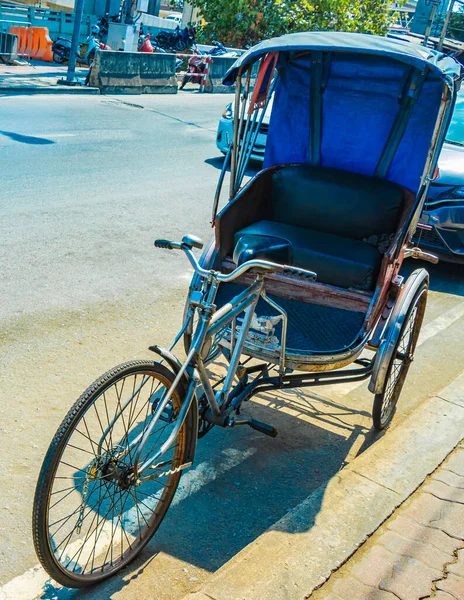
[[175, 365], [393, 329]]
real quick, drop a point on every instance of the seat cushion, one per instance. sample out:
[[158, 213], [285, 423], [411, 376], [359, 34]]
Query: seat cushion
[[337, 260], [262, 247], [338, 202]]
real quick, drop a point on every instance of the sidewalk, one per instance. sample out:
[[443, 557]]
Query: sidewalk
[[40, 77], [327, 547], [416, 554]]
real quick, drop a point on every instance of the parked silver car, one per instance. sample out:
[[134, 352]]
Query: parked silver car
[[444, 209]]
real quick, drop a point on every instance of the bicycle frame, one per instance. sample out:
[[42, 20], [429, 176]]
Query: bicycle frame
[[192, 371], [211, 322]]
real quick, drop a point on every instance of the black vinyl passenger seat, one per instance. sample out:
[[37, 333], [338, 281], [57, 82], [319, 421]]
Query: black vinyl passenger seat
[[319, 219]]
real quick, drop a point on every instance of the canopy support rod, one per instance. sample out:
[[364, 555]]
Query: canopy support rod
[[409, 97], [253, 134]]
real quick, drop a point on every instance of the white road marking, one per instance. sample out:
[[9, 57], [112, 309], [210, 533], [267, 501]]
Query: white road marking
[[55, 135], [428, 331], [36, 582]]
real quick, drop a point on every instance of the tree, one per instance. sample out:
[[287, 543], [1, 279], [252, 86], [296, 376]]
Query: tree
[[456, 26], [244, 22]]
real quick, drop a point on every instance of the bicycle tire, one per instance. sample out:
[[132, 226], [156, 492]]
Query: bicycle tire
[[43, 539], [385, 403]]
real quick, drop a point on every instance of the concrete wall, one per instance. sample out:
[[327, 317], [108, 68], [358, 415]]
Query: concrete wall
[[217, 70], [134, 73]]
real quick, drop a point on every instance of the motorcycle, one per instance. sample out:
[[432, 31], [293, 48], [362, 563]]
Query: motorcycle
[[61, 49], [220, 50], [195, 68], [101, 47], [197, 63], [178, 40]]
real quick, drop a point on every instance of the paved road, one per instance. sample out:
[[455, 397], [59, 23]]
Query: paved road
[[87, 184]]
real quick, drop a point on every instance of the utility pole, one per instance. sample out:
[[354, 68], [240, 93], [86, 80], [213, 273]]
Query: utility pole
[[71, 75], [430, 21], [445, 24]]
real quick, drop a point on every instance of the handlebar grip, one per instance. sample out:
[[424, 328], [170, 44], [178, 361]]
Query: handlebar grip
[[300, 273], [164, 244]]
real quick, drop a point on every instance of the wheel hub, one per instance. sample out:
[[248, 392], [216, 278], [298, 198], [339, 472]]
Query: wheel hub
[[118, 473]]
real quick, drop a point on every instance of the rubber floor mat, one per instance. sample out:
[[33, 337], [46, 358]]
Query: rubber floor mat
[[311, 327]]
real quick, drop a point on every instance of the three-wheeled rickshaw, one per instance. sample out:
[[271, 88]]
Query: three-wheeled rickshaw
[[302, 275]]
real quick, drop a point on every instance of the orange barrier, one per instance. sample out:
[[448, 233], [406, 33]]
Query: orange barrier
[[41, 44], [34, 42], [24, 39]]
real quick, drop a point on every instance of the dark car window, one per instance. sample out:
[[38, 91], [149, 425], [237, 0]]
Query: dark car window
[[455, 133]]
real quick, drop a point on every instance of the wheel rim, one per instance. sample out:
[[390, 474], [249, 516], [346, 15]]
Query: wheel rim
[[402, 358], [96, 522]]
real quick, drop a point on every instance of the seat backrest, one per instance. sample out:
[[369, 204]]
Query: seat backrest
[[333, 201]]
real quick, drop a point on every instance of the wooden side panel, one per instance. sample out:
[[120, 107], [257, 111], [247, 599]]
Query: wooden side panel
[[310, 292]]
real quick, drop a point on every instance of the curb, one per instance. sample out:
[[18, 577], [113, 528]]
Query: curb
[[49, 89], [291, 560]]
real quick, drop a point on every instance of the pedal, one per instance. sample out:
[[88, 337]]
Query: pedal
[[263, 427]]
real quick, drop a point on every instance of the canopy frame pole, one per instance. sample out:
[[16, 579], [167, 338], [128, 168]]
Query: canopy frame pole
[[238, 125], [438, 136], [254, 133]]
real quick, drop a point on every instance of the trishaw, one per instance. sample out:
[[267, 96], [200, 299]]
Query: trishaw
[[302, 275]]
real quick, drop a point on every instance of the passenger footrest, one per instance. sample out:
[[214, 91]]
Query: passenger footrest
[[263, 427]]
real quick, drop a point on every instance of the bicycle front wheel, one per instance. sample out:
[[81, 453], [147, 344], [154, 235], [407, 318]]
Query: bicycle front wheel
[[89, 518]]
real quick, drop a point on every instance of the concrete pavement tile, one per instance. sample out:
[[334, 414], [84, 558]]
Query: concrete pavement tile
[[425, 553], [455, 463], [350, 588], [455, 391], [198, 596], [441, 595], [453, 585], [449, 478], [405, 577], [391, 469], [304, 547], [428, 510], [457, 568], [412, 530], [444, 492]]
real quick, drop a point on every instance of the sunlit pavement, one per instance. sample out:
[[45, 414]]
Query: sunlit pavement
[[87, 184]]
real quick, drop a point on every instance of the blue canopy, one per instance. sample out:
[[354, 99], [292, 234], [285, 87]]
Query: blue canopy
[[355, 102], [359, 43]]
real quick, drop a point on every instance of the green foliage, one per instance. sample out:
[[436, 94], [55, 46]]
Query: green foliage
[[456, 26], [245, 22]]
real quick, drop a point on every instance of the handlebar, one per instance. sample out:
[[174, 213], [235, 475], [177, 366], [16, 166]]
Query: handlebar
[[188, 242]]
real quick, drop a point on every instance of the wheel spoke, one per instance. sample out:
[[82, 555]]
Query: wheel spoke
[[97, 518], [402, 356]]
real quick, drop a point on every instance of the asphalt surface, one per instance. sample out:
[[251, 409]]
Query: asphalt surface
[[87, 184]]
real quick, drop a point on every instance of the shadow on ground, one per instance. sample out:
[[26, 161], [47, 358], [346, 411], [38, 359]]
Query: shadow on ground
[[26, 139], [209, 526]]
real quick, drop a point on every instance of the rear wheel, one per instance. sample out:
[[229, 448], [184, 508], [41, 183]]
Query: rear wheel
[[385, 402], [89, 518], [58, 58], [185, 80]]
